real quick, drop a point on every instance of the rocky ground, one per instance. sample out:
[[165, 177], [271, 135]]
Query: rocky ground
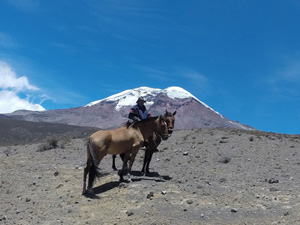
[[205, 176]]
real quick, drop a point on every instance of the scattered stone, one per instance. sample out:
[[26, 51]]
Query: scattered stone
[[129, 213], [56, 173], [233, 210], [150, 195], [163, 192], [225, 160], [223, 180], [27, 200], [59, 186], [273, 181], [286, 214], [189, 201], [185, 153]]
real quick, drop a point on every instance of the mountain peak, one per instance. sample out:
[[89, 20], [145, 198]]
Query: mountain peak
[[129, 97]]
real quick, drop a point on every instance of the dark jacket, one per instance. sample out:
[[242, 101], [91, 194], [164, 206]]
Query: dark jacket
[[138, 113]]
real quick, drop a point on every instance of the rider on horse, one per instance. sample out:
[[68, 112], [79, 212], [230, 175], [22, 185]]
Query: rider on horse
[[139, 111]]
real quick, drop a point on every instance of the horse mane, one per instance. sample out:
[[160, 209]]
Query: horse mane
[[134, 124]]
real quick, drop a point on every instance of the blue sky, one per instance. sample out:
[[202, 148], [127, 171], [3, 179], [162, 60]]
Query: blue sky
[[242, 58]]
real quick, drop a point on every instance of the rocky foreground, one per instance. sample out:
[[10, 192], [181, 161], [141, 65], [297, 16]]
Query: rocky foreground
[[205, 176]]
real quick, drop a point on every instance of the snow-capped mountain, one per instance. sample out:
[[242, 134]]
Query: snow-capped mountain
[[112, 112], [128, 97]]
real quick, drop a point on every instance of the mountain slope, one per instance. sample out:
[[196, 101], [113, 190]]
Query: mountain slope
[[112, 111], [24, 132]]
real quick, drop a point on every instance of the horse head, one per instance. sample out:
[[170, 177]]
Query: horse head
[[162, 128], [170, 120]]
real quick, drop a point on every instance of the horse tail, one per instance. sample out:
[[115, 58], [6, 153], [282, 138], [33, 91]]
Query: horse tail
[[94, 171]]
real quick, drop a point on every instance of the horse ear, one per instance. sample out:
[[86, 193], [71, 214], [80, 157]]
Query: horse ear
[[167, 112], [174, 113]]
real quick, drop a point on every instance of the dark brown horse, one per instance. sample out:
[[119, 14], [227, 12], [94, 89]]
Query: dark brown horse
[[126, 140], [153, 141]]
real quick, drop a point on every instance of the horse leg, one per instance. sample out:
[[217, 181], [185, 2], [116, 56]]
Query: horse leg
[[131, 160], [156, 142], [87, 168], [125, 160], [85, 172], [150, 154], [94, 172], [114, 162], [146, 156]]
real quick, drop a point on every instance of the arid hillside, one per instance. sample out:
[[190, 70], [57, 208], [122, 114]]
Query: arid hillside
[[16, 132], [203, 176]]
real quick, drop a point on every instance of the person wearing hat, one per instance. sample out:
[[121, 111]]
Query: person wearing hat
[[139, 111]]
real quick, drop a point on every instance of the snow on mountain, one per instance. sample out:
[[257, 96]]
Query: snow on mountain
[[129, 97]]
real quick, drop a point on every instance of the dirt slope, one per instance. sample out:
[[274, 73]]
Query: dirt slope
[[208, 176]]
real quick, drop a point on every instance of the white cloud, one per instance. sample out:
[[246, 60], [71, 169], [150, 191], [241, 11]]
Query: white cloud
[[10, 102], [8, 79], [11, 88]]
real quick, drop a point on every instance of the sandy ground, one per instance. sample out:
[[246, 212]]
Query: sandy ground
[[208, 176]]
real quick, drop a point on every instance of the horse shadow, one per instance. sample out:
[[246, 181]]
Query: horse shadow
[[136, 177], [155, 176], [102, 189]]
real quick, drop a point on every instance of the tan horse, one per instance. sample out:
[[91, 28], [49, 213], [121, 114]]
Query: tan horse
[[126, 140]]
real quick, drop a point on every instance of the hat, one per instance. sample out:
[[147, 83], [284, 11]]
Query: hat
[[140, 99]]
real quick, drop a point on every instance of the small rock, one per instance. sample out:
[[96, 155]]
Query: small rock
[[286, 214], [163, 192], [273, 181], [185, 153], [189, 201], [59, 186], [27, 200], [129, 213], [225, 160], [233, 210], [150, 195], [223, 180], [56, 173]]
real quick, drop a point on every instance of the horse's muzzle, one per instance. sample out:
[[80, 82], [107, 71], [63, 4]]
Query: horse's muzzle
[[165, 137]]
